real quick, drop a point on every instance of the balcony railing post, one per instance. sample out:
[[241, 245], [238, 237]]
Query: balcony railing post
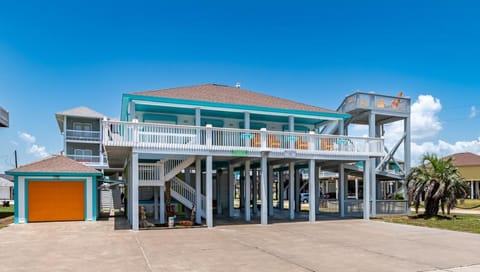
[[208, 136], [135, 131], [311, 140], [263, 137]]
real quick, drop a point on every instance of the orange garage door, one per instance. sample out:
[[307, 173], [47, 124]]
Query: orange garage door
[[55, 201]]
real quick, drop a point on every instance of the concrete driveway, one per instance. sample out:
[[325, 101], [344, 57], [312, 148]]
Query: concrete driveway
[[343, 245]]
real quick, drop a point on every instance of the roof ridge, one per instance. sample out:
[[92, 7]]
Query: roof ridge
[[203, 92]]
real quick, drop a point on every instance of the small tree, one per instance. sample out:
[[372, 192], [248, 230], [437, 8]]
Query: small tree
[[439, 182]]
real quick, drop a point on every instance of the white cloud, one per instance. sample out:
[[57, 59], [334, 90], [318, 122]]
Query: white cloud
[[32, 148], [28, 138], [358, 130], [38, 151], [473, 112], [424, 117], [442, 148]]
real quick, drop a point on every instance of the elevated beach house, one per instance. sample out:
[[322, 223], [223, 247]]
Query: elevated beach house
[[192, 143]]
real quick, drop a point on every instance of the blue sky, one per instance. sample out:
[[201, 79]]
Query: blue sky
[[57, 55]]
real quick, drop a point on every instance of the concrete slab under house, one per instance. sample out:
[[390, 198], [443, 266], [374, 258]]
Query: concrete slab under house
[[55, 189]]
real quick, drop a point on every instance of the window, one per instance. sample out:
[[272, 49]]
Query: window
[[83, 130], [83, 155]]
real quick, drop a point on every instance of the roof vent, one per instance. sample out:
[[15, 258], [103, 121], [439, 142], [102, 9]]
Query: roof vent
[[237, 85]]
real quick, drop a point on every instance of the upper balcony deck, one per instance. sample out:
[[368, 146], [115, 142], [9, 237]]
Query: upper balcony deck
[[386, 107], [88, 136], [197, 140], [94, 161]]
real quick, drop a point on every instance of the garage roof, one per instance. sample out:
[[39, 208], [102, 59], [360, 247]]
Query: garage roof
[[55, 164]]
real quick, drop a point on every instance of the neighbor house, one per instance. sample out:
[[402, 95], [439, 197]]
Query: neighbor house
[[6, 188], [468, 165]]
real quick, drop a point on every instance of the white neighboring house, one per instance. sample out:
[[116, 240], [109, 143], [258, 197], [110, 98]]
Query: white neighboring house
[[6, 188]]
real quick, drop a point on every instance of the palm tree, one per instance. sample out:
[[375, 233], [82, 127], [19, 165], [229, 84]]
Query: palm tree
[[439, 182]]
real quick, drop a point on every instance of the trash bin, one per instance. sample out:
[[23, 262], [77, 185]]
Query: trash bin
[[171, 222]]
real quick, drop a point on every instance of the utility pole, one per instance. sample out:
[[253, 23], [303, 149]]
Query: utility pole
[[16, 161]]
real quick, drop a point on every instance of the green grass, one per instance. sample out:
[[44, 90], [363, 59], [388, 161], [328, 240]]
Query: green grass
[[6, 211], [457, 222], [467, 204], [6, 216]]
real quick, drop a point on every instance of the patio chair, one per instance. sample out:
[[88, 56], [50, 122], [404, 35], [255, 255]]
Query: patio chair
[[273, 141], [380, 103], [300, 144], [256, 140], [327, 144]]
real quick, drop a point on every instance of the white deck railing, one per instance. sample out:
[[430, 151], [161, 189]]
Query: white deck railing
[[188, 192], [89, 159], [83, 135], [373, 101], [237, 141], [148, 172], [391, 207]]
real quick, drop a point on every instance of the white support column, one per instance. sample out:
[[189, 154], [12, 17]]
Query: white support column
[[155, 202], [291, 123], [477, 185], [241, 199], [341, 127], [209, 192], [129, 198], [270, 190], [198, 191], [255, 192], [373, 184], [264, 190], [246, 120], [132, 114], [134, 189], [317, 191], [366, 189], [161, 171], [336, 189], [247, 191], [471, 189], [231, 190], [291, 128], [356, 188], [372, 128], [219, 193], [197, 117], [311, 190], [162, 204], [342, 183], [281, 180], [298, 179], [291, 196]]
